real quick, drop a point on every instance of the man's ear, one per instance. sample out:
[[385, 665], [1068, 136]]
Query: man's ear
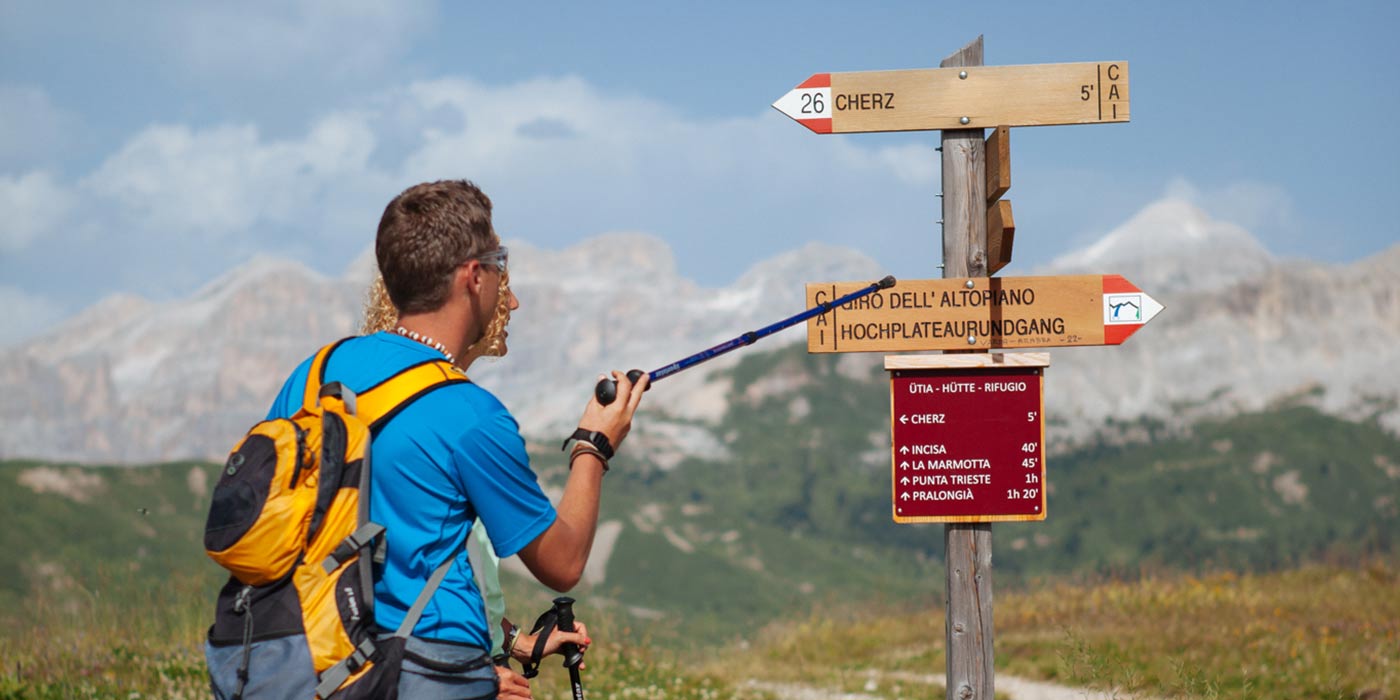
[[468, 278]]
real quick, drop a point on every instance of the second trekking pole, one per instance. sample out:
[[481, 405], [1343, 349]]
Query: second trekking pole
[[564, 609]]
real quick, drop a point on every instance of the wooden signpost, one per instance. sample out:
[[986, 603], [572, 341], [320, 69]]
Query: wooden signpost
[[972, 97], [1001, 227], [980, 314], [967, 427]]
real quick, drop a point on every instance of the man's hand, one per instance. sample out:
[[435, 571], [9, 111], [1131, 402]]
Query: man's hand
[[615, 419], [513, 685]]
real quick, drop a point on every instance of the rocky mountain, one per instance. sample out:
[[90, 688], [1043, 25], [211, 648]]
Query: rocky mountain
[[1241, 330], [135, 381]]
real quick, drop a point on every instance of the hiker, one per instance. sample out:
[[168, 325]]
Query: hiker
[[448, 457], [507, 640]]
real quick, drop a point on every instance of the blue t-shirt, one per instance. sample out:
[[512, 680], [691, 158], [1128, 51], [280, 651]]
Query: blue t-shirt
[[451, 456]]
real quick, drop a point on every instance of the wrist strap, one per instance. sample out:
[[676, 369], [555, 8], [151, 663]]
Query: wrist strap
[[595, 438], [544, 625]]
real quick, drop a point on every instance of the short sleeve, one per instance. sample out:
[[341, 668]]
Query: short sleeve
[[504, 491], [290, 398]]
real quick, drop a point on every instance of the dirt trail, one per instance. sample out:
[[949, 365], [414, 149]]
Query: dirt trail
[[1006, 686]]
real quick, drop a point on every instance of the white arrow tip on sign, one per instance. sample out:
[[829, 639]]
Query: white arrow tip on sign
[[809, 103], [1150, 308]]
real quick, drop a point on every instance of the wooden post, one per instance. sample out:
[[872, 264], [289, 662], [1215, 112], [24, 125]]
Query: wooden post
[[967, 547]]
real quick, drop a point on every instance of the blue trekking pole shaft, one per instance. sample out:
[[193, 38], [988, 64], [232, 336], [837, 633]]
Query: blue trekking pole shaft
[[606, 391]]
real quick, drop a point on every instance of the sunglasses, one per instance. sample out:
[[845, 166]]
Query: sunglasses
[[497, 258]]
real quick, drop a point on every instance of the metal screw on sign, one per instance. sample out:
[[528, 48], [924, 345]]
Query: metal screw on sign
[[972, 340], [962, 75], [970, 284], [964, 120]]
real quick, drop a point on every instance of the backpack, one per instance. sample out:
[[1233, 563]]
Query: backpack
[[290, 521]]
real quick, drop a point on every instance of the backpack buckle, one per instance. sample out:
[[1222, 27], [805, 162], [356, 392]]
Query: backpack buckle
[[339, 391]]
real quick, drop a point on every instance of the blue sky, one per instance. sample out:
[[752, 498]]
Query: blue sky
[[147, 147]]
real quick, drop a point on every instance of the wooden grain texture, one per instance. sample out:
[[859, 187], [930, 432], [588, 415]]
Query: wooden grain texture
[[968, 597], [990, 96], [964, 187], [916, 315], [998, 163], [967, 548], [964, 360], [1001, 234]]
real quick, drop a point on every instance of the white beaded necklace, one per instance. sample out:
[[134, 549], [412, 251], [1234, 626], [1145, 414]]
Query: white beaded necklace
[[415, 335]]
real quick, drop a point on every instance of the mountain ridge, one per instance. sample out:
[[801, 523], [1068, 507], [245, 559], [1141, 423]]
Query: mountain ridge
[[131, 380]]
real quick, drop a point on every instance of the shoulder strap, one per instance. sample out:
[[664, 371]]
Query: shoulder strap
[[316, 376], [376, 405], [383, 401]]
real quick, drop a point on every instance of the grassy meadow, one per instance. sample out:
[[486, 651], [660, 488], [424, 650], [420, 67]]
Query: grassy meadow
[[1311, 632]]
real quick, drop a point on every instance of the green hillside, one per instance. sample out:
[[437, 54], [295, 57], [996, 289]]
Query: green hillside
[[101, 531], [1261, 490], [797, 513]]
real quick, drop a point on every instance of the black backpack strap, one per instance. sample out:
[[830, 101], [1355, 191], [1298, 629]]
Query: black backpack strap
[[243, 606]]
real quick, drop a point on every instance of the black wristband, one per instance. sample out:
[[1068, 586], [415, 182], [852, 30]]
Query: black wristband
[[594, 438]]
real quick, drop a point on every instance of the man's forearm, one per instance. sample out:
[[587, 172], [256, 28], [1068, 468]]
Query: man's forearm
[[557, 557]]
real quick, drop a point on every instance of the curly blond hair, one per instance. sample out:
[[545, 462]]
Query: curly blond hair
[[380, 315]]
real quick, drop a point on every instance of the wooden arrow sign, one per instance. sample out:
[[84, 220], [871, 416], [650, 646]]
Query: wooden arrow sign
[[975, 97], [980, 313]]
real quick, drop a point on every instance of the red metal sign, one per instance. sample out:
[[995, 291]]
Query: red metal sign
[[969, 444]]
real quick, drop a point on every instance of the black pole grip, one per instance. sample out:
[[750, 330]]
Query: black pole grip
[[606, 391], [564, 609]]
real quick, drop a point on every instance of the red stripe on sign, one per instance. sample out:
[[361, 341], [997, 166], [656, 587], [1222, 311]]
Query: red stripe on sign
[[1117, 284], [816, 81], [821, 126], [1116, 334]]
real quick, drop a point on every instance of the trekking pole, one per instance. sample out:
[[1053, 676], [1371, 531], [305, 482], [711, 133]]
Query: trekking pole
[[564, 608], [606, 391]]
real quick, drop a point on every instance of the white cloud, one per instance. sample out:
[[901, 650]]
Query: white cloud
[[608, 162], [1266, 210], [914, 164], [562, 160], [226, 180], [25, 314], [34, 206]]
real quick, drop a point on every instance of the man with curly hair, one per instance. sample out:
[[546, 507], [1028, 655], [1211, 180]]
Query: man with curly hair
[[456, 455]]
